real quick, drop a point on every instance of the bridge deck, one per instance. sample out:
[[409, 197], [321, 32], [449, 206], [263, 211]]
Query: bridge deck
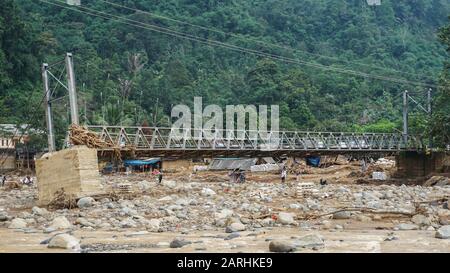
[[152, 141]]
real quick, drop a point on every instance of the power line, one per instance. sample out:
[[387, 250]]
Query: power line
[[238, 48], [34, 114], [254, 39]]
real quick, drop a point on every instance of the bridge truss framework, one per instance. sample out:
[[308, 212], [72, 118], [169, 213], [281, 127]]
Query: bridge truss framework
[[167, 142]]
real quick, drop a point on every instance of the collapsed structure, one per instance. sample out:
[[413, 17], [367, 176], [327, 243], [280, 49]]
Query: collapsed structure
[[74, 170]]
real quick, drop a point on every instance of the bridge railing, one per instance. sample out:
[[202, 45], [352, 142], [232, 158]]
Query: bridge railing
[[155, 138]]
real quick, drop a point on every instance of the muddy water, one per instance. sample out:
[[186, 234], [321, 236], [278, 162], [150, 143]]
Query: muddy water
[[353, 239]]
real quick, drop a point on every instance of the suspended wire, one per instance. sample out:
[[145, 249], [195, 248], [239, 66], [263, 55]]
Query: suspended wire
[[34, 115], [28, 123], [232, 47], [237, 48]]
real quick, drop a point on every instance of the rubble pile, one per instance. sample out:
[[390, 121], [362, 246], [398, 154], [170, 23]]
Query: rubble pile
[[80, 135], [176, 206]]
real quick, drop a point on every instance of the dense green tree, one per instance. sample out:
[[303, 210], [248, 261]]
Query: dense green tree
[[127, 74], [440, 123]]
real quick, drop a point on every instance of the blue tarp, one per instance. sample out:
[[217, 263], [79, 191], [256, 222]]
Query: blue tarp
[[313, 161], [136, 162]]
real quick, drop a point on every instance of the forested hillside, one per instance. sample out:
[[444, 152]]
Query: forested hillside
[[330, 65]]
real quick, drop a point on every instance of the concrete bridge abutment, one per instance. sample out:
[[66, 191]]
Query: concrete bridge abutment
[[417, 164]]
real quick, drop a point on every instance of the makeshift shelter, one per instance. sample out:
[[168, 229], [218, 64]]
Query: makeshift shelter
[[143, 164], [244, 164], [313, 161]]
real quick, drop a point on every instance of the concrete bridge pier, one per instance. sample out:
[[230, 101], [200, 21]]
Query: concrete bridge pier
[[416, 164]]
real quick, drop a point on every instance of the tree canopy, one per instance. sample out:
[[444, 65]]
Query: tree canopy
[[128, 74]]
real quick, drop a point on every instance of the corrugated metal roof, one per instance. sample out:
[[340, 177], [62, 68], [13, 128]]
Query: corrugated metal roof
[[137, 162], [232, 163], [269, 160]]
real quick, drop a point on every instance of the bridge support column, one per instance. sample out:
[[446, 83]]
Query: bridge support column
[[413, 164]]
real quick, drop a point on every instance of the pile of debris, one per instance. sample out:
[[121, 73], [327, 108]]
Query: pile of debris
[[80, 135], [296, 166], [385, 163], [437, 181]]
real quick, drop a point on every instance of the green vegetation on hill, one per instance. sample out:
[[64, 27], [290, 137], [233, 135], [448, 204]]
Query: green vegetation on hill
[[123, 70]]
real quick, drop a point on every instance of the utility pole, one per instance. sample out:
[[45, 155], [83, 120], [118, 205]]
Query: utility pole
[[48, 109], [427, 110], [405, 117], [155, 113], [71, 89], [85, 112], [430, 143]]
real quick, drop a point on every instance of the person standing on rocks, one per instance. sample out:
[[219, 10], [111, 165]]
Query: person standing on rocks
[[363, 165], [160, 177], [3, 180], [242, 177], [283, 174], [158, 173], [233, 176]]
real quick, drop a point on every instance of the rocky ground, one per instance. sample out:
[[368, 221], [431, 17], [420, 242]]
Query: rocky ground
[[203, 212]]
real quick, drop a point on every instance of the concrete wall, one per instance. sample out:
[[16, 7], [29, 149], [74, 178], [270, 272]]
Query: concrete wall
[[413, 164], [8, 164], [75, 170], [177, 165]]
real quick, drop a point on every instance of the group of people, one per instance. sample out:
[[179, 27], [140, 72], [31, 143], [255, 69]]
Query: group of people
[[27, 180], [237, 176]]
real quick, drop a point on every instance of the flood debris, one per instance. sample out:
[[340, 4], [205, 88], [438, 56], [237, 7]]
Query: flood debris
[[208, 212]]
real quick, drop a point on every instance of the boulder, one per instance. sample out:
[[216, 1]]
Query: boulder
[[267, 222], [104, 225], [39, 211], [153, 224], [310, 241], [443, 232], [128, 223], [437, 181], [64, 241], [285, 218], [84, 222], [170, 184], [208, 192], [342, 215], [420, 220], [144, 185], [18, 223], [3, 217], [235, 227], [60, 222], [280, 246], [223, 214], [85, 202], [128, 211], [177, 243], [363, 218]]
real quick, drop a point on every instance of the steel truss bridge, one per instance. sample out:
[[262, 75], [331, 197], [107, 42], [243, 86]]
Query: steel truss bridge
[[167, 142]]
